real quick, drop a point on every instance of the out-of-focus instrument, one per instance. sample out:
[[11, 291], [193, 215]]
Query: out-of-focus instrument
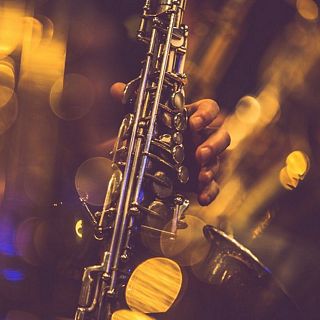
[[159, 262], [216, 36]]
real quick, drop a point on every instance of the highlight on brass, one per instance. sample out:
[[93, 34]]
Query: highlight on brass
[[129, 315], [154, 286], [297, 166]]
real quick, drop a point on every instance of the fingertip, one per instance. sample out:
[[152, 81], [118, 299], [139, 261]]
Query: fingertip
[[203, 154], [208, 194], [196, 123], [204, 199], [117, 90], [205, 176]]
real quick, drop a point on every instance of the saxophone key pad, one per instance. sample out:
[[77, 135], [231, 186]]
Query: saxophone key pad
[[178, 100], [177, 137], [166, 138], [164, 188], [178, 153], [183, 174], [167, 119], [180, 121]]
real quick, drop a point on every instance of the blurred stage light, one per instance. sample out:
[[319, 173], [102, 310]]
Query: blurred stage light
[[7, 81], [248, 110], [154, 286], [12, 275], [25, 240], [189, 246], [42, 58], [71, 97], [129, 315], [308, 9], [7, 236], [269, 101], [11, 26], [297, 166], [79, 228], [91, 180], [9, 111]]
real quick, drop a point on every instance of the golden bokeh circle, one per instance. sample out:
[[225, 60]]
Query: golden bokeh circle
[[129, 315], [288, 182], [8, 113], [189, 246], [25, 240], [7, 81], [298, 164], [248, 110], [92, 178], [71, 96], [154, 285], [308, 9]]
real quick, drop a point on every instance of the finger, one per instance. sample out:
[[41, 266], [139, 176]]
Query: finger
[[208, 194], [213, 146], [202, 113], [209, 172], [216, 123], [201, 136], [117, 90]]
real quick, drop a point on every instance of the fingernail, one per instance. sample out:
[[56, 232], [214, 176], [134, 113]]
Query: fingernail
[[205, 199], [197, 122], [205, 153], [205, 176]]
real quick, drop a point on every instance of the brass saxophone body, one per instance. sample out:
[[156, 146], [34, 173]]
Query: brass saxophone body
[[147, 158], [145, 196]]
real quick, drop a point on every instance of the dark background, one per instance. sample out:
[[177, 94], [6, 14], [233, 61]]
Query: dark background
[[41, 258]]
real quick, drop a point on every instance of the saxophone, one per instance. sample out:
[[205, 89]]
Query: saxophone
[[147, 159], [146, 197]]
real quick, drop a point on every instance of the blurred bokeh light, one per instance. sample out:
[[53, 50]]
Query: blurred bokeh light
[[308, 9], [154, 286], [92, 178], [11, 26], [130, 315], [71, 97]]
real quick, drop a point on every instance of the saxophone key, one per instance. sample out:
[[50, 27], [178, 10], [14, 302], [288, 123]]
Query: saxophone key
[[183, 174], [178, 100], [162, 185], [178, 153], [177, 137], [180, 121]]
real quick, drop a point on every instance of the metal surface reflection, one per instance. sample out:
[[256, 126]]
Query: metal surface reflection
[[229, 283]]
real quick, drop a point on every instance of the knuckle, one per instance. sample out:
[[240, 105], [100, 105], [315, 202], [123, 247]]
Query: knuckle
[[207, 114], [211, 105]]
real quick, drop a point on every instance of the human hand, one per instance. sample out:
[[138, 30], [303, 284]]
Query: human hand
[[209, 141]]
